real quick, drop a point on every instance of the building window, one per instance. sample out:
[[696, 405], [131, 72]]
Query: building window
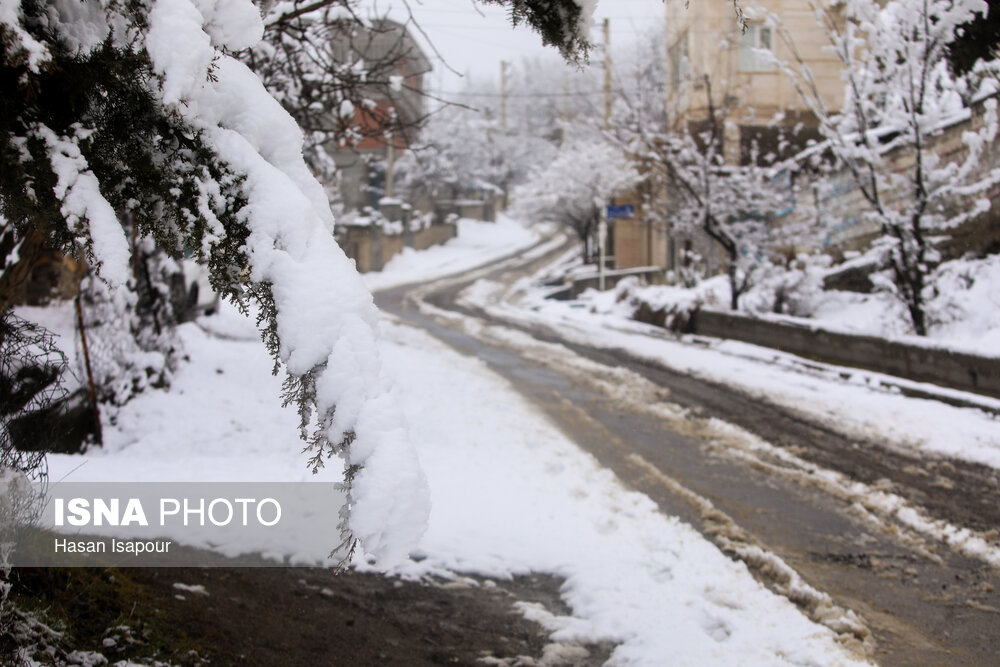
[[757, 39], [679, 63]]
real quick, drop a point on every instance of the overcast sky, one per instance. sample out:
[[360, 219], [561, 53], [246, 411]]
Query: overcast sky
[[473, 38]]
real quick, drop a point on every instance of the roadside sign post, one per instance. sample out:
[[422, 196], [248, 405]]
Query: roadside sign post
[[602, 233], [609, 212], [619, 211]]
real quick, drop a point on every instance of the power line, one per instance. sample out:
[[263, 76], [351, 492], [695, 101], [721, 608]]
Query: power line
[[497, 95], [507, 28]]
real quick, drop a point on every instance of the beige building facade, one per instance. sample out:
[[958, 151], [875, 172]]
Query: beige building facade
[[712, 64], [759, 100]]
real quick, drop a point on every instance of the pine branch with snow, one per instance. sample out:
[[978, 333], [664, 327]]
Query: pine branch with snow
[[136, 108], [561, 23]]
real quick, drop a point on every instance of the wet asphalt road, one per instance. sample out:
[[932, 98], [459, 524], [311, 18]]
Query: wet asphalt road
[[899, 596]]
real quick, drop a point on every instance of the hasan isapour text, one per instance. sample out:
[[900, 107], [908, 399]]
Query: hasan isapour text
[[111, 545]]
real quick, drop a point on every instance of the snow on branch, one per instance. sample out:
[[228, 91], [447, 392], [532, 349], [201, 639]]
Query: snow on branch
[[86, 210], [134, 115], [899, 96], [316, 310]]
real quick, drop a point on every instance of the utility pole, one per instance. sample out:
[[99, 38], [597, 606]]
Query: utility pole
[[503, 95], [607, 75], [668, 82], [565, 109], [602, 226], [667, 78], [390, 167]]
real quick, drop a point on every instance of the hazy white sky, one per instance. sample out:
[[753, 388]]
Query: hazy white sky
[[473, 38]]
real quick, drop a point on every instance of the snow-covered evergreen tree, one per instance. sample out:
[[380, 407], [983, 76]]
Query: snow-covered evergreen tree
[[115, 109]]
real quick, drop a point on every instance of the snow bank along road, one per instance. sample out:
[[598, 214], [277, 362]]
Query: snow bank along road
[[836, 523]]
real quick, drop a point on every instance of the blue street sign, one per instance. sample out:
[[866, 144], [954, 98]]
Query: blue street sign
[[621, 212]]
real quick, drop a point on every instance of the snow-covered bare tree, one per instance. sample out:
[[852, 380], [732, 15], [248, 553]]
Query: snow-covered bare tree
[[574, 188], [465, 147], [694, 188], [342, 75], [899, 95]]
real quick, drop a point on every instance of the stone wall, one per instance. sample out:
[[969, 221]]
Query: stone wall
[[915, 362], [371, 249], [651, 275], [433, 235]]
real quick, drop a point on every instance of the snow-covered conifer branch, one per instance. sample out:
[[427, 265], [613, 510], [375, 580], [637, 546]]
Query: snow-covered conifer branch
[[144, 113]]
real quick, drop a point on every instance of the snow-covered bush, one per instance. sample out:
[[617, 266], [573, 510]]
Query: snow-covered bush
[[668, 306], [125, 358], [130, 331], [791, 287], [965, 301]]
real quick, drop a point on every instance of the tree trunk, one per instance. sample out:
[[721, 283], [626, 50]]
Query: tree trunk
[[734, 289], [14, 277]]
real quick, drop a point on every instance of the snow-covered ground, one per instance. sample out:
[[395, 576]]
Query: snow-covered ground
[[510, 495], [476, 244], [963, 314], [863, 404]]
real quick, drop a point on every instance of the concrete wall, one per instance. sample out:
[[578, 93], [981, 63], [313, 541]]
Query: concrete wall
[[371, 250], [484, 209], [923, 364], [652, 276], [392, 246], [433, 235]]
